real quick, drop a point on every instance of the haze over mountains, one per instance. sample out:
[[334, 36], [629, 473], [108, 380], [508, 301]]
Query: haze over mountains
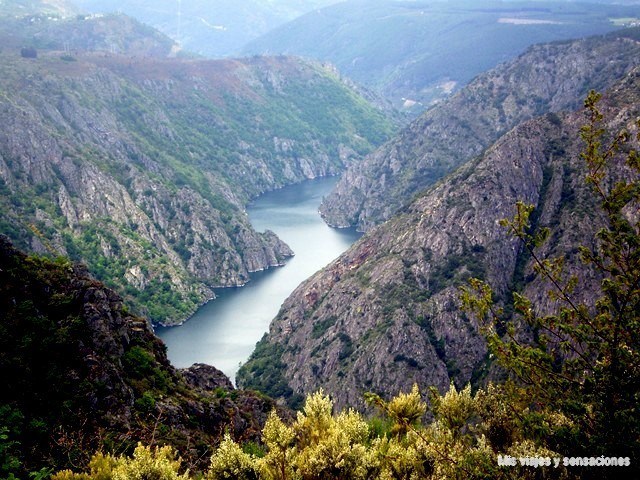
[[218, 29], [422, 51], [413, 53]]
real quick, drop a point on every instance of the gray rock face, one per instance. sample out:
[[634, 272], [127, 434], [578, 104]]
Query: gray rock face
[[142, 167], [547, 78], [387, 313], [205, 377]]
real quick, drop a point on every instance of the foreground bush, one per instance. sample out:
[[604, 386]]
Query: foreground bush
[[463, 441]]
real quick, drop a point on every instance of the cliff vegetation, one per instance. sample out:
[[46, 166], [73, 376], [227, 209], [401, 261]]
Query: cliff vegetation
[[141, 167]]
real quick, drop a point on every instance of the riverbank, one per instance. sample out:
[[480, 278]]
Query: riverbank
[[224, 332]]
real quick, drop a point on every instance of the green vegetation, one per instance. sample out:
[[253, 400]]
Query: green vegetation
[[37, 26], [185, 160], [463, 440], [36, 357], [146, 463], [266, 372], [582, 362], [319, 328]]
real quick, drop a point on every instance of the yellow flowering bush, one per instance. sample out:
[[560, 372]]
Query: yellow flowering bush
[[463, 440], [158, 464]]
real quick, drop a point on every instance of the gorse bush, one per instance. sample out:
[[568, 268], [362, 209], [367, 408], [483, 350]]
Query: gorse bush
[[146, 464], [461, 442]]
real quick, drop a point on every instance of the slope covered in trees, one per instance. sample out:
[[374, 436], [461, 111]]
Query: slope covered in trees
[[80, 33]]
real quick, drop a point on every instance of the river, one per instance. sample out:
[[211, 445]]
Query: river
[[224, 332]]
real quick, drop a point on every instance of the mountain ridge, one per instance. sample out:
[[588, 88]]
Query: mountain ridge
[[548, 77], [387, 313]]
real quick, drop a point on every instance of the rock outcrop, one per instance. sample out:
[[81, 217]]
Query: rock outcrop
[[387, 313]]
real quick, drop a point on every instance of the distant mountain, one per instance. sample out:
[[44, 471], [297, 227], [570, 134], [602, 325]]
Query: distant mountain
[[421, 51], [387, 313], [548, 77], [85, 33], [142, 167], [20, 8], [81, 374], [214, 30]]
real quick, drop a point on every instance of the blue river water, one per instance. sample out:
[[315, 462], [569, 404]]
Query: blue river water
[[223, 333]]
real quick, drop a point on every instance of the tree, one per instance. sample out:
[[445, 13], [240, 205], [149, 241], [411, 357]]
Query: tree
[[584, 361]]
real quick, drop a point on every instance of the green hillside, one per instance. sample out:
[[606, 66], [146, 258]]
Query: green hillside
[[142, 167]]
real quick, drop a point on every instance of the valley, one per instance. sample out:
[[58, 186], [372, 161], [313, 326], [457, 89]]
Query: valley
[[441, 288], [387, 313], [142, 169], [224, 332]]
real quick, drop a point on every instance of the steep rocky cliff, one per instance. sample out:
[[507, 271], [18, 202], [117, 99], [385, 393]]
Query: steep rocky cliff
[[80, 374], [547, 78], [141, 167], [387, 314]]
